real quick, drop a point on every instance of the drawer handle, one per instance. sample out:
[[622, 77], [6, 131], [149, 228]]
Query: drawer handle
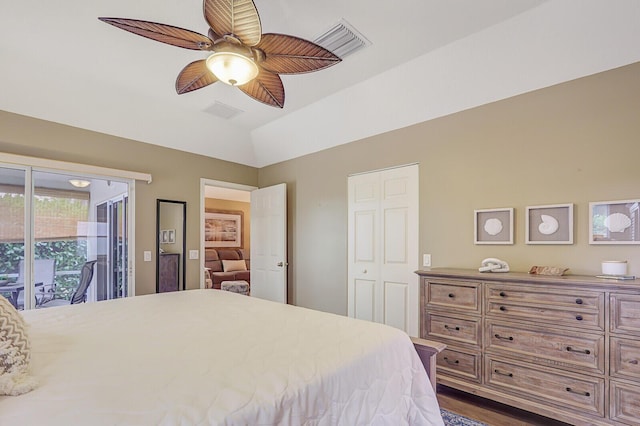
[[634, 362], [578, 392], [497, 336], [452, 328], [503, 308], [579, 301], [579, 317], [451, 295], [502, 374], [503, 294], [582, 351], [448, 361]]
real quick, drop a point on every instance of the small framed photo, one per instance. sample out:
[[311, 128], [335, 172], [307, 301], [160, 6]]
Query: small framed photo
[[171, 236], [552, 224], [493, 226], [614, 222]]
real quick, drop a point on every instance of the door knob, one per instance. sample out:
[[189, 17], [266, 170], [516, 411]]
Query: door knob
[[280, 264], [364, 271]]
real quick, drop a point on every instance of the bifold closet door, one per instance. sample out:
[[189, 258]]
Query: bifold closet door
[[383, 247]]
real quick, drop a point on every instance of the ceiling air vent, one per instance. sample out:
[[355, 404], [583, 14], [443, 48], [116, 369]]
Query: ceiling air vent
[[342, 39], [223, 110]]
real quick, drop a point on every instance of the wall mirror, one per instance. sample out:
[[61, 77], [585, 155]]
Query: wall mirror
[[171, 226]]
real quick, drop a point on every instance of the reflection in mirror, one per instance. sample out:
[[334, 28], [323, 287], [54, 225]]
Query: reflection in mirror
[[171, 228]]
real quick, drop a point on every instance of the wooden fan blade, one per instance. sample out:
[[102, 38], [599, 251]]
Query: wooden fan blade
[[237, 17], [285, 54], [213, 36], [194, 76], [266, 88], [163, 33]]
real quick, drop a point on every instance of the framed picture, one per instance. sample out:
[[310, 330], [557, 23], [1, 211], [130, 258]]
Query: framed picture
[[614, 222], [223, 228], [493, 226], [167, 236], [552, 224]]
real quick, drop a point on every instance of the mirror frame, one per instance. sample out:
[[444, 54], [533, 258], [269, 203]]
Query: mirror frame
[[182, 273]]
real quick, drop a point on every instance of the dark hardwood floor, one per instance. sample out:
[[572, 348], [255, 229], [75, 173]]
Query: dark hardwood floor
[[489, 412]]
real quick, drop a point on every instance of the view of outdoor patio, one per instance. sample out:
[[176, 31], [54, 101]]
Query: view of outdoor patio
[[72, 225]]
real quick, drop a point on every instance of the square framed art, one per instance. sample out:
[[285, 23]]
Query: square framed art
[[614, 222], [551, 224], [493, 226]]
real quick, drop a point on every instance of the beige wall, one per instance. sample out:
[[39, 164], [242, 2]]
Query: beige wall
[[176, 176], [245, 208], [573, 143]]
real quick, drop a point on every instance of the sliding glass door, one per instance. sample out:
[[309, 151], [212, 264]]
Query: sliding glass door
[[112, 256], [54, 226]]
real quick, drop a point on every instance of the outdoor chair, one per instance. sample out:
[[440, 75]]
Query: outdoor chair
[[44, 271], [80, 293]]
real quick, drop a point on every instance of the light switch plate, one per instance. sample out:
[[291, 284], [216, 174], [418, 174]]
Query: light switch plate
[[426, 260], [193, 254], [147, 256]]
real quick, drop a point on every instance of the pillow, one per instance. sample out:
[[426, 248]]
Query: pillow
[[15, 352], [233, 265]]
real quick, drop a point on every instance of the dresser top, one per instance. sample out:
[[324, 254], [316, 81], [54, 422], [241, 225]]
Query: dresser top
[[523, 277]]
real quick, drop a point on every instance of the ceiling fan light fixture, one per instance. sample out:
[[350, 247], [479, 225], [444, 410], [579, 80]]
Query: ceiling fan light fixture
[[79, 183], [232, 68]]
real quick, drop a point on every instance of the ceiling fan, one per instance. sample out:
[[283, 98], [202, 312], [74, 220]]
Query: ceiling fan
[[241, 55]]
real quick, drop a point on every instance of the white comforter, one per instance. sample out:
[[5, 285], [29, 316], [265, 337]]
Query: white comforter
[[212, 357]]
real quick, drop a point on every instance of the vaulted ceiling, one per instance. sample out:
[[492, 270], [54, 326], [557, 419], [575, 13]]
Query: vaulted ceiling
[[426, 59]]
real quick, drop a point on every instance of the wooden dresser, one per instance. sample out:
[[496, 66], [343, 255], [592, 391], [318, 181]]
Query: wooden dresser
[[564, 347], [169, 272]]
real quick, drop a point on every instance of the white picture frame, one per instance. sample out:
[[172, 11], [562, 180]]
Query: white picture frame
[[614, 222], [493, 226], [549, 224]]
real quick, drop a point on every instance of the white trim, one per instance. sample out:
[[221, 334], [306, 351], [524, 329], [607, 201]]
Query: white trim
[[210, 182], [131, 241], [383, 169], [68, 167], [29, 226]]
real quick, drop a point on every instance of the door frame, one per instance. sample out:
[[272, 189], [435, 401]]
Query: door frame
[[222, 184]]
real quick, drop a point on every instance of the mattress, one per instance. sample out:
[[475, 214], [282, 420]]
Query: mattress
[[202, 357]]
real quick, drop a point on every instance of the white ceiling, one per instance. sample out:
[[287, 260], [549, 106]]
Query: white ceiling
[[428, 58]]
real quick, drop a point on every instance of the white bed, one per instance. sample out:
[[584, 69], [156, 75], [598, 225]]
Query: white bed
[[212, 357]]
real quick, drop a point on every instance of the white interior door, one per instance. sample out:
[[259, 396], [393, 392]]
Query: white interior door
[[383, 248], [269, 243]]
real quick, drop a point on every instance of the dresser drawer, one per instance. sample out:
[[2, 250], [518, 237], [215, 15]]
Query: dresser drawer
[[625, 358], [625, 403], [460, 364], [556, 315], [460, 295], [568, 391], [547, 346], [582, 300], [625, 313], [453, 329]]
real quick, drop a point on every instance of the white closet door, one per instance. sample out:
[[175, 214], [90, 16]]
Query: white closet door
[[383, 247], [269, 243]]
